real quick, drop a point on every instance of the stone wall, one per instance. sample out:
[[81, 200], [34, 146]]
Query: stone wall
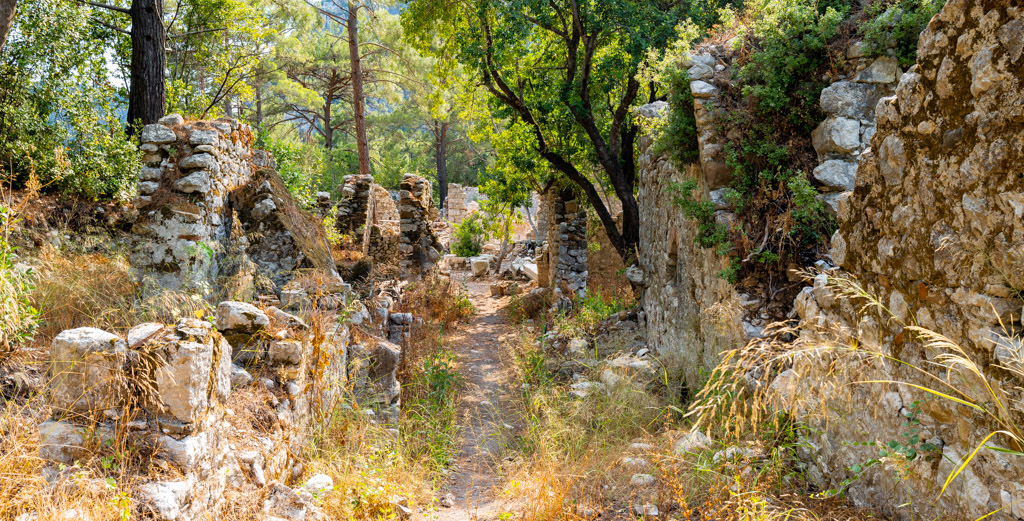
[[846, 132], [354, 203], [198, 179], [188, 172], [934, 228], [418, 245], [170, 392], [692, 313], [562, 259]]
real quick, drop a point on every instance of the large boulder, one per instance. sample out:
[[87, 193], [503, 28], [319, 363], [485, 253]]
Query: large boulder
[[241, 317]]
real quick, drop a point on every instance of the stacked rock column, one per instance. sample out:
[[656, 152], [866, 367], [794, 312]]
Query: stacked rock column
[[418, 246], [567, 244], [846, 132]]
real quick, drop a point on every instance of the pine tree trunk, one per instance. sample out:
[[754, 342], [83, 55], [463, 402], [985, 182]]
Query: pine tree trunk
[[148, 90], [362, 147], [7, 9], [441, 160]]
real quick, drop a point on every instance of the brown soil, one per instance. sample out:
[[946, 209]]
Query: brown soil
[[485, 407]]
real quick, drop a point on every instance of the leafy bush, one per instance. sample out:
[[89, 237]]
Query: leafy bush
[[710, 233], [17, 316], [301, 166], [469, 237], [897, 24], [789, 39], [59, 112]]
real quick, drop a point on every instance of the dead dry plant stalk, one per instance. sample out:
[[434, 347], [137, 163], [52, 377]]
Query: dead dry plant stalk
[[740, 398]]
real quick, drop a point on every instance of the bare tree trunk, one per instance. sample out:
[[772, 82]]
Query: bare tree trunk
[[362, 147], [529, 220], [7, 10], [441, 160], [148, 90]]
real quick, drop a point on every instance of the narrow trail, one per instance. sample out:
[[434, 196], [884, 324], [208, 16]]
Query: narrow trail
[[486, 416]]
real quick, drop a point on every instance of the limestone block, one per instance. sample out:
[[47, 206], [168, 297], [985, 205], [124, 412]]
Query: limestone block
[[150, 174], [63, 442], [139, 334], [158, 134], [86, 370], [883, 70], [850, 100], [171, 120], [837, 135], [196, 182], [479, 265], [836, 175], [531, 271], [701, 71], [164, 500], [184, 381], [702, 90], [203, 137], [240, 317], [148, 187], [197, 161], [286, 352]]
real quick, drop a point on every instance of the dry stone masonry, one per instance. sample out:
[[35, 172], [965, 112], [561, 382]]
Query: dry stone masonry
[[166, 390], [846, 132], [687, 305], [188, 172], [419, 246], [198, 179]]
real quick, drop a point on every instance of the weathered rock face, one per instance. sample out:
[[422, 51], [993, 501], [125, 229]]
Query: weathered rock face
[[278, 235], [690, 310], [935, 228], [419, 247], [188, 172]]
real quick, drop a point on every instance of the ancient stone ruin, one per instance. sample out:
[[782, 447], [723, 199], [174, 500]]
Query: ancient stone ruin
[[200, 178], [930, 213], [419, 246], [562, 261]]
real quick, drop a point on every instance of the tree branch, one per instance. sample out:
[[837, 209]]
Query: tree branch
[[107, 6], [109, 26]]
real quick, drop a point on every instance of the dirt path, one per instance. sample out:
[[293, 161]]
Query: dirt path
[[485, 414]]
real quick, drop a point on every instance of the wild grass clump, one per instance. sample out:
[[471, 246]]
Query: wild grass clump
[[18, 318], [372, 472], [594, 307], [740, 396], [98, 290], [567, 445], [429, 427]]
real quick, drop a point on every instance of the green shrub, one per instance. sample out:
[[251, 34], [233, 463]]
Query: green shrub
[[59, 111], [679, 138], [301, 166], [710, 233], [18, 319], [789, 38], [897, 24], [469, 237]]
